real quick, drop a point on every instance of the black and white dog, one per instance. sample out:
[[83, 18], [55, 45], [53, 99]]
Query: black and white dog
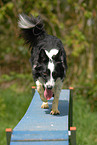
[[48, 59]]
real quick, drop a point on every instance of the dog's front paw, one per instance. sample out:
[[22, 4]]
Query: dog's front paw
[[45, 105], [55, 112]]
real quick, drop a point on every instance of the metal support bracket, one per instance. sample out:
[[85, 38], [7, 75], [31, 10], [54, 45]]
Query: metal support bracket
[[8, 135], [72, 135]]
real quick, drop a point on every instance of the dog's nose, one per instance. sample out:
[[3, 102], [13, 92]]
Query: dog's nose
[[49, 87]]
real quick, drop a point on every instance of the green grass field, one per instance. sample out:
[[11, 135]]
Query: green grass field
[[15, 99]]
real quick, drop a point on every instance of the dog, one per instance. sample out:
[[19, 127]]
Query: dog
[[48, 59]]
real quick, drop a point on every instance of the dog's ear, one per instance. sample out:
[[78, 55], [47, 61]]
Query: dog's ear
[[43, 58], [61, 58], [58, 57]]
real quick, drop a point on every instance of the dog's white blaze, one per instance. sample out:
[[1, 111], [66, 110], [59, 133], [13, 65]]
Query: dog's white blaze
[[51, 80], [51, 53], [51, 66]]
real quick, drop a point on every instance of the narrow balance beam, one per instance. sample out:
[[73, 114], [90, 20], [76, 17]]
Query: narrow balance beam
[[38, 127]]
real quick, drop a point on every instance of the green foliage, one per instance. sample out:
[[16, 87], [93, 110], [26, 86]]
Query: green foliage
[[75, 23], [88, 14], [16, 76], [2, 107], [6, 9], [77, 41], [90, 93]]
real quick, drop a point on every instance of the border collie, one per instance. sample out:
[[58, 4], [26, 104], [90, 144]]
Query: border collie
[[48, 59]]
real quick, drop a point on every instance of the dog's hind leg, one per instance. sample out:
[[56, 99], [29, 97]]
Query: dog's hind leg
[[40, 90]]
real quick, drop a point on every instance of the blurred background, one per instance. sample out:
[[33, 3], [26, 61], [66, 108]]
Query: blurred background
[[75, 23]]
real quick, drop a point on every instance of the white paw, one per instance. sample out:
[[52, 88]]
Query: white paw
[[45, 105]]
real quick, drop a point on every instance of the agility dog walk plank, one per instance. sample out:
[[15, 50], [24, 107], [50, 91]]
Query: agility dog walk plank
[[38, 127]]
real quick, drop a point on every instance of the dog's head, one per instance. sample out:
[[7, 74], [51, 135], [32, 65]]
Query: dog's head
[[50, 67]]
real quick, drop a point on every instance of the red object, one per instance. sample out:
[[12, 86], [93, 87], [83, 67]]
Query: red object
[[8, 130], [72, 128], [33, 87], [71, 88]]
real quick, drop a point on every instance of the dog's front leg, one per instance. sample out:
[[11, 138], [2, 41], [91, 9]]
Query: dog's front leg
[[55, 110], [40, 90], [57, 90]]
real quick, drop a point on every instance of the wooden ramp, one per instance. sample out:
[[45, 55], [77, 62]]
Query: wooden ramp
[[38, 127]]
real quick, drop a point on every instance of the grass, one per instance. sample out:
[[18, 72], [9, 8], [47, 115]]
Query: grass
[[14, 105], [85, 121], [15, 99]]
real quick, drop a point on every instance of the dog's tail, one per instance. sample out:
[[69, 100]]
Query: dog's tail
[[31, 28]]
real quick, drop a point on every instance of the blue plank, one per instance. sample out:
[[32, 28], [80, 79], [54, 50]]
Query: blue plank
[[40, 119], [39, 135], [38, 124], [41, 143]]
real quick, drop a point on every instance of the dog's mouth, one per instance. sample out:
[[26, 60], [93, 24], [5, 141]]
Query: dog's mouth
[[48, 94]]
